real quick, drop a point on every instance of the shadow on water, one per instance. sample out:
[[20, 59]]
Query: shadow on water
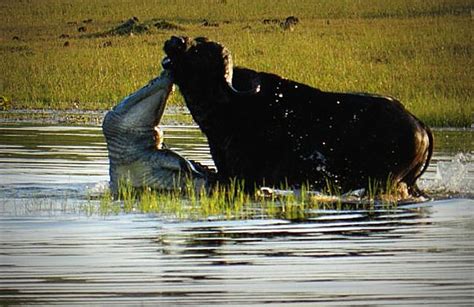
[[53, 253]]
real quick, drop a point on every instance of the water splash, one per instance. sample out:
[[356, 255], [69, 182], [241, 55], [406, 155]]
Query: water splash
[[98, 189], [454, 176]]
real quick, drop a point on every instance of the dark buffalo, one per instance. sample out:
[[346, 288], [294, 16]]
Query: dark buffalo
[[268, 130]]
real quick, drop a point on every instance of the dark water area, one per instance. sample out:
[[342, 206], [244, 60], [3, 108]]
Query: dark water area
[[52, 252]]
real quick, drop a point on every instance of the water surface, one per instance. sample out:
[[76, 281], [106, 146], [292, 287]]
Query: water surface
[[52, 252]]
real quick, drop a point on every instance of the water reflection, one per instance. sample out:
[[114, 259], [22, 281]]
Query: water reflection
[[415, 255]]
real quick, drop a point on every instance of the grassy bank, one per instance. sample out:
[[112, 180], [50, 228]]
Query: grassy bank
[[64, 54]]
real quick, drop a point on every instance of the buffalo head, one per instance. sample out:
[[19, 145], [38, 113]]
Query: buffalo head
[[201, 60]]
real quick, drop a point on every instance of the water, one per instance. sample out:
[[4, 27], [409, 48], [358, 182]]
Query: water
[[51, 252]]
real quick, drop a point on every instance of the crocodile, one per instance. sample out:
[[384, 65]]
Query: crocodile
[[135, 145]]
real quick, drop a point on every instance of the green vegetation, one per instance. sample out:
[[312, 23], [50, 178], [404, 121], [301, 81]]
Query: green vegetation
[[232, 202], [74, 54]]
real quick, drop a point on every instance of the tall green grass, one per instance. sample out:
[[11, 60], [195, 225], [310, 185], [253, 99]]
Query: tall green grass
[[417, 51], [232, 201], [46, 11]]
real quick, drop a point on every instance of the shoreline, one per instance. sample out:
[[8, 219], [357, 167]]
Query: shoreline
[[174, 115]]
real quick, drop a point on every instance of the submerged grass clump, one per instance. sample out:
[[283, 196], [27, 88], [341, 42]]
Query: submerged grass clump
[[417, 51], [233, 202]]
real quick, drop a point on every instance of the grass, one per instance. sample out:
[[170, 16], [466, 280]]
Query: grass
[[418, 51], [232, 202]]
